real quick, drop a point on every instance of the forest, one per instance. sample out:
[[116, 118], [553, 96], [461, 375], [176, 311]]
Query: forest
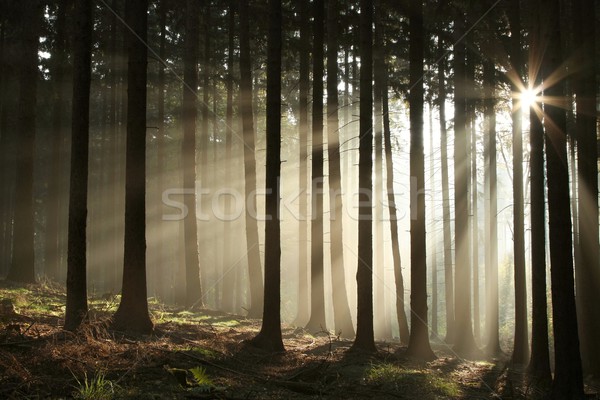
[[272, 199]]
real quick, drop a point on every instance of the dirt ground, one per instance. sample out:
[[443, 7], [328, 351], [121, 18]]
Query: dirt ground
[[203, 355]]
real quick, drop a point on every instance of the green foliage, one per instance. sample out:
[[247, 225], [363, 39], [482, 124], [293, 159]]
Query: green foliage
[[201, 378], [95, 388], [423, 384], [206, 353]]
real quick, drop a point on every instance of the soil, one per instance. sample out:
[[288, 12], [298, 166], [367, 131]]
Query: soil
[[39, 360]]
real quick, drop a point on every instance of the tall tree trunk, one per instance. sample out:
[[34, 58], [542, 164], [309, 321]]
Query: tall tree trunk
[[190, 113], [521, 348], [568, 380], [391, 199], [132, 314], [539, 362], [5, 71], [448, 274], [341, 309], [113, 124], [23, 265], [254, 265], [229, 272], [269, 336], [418, 344], [303, 81], [205, 234], [472, 149], [492, 329], [364, 276], [52, 254], [588, 270], [464, 339], [161, 147], [381, 330], [434, 237], [77, 306], [317, 293]]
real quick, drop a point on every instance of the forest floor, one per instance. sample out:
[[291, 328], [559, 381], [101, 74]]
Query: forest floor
[[203, 355]]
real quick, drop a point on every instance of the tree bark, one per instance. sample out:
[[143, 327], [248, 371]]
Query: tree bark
[[269, 337], [341, 309], [205, 235], [382, 330], [568, 380], [302, 315], [77, 306], [52, 253], [398, 279], [539, 361], [464, 339], [492, 329], [448, 273], [588, 270], [317, 294], [23, 265], [252, 245], [418, 344], [364, 339], [132, 314], [190, 113], [229, 272], [521, 348], [434, 237], [472, 148]]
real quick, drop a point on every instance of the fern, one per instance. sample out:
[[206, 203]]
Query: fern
[[201, 378]]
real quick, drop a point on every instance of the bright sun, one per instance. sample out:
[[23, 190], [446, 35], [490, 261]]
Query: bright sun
[[528, 97]]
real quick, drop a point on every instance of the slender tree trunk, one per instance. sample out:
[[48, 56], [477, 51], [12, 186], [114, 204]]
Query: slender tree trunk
[[588, 272], [521, 348], [230, 268], [190, 113], [303, 301], [492, 329], [23, 265], [269, 336], [539, 362], [568, 380], [5, 71], [114, 140], [398, 280], [77, 306], [418, 344], [380, 327], [160, 156], [254, 265], [317, 294], [132, 314], [6, 75], [205, 234], [464, 339], [472, 148], [52, 254], [433, 251], [448, 274], [341, 309], [364, 277]]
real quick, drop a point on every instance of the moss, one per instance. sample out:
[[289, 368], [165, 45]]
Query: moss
[[414, 383]]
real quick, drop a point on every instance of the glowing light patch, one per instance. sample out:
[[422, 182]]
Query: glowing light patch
[[528, 97]]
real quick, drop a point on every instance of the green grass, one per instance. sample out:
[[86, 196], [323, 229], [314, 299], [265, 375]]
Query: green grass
[[415, 383], [95, 388], [204, 352]]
